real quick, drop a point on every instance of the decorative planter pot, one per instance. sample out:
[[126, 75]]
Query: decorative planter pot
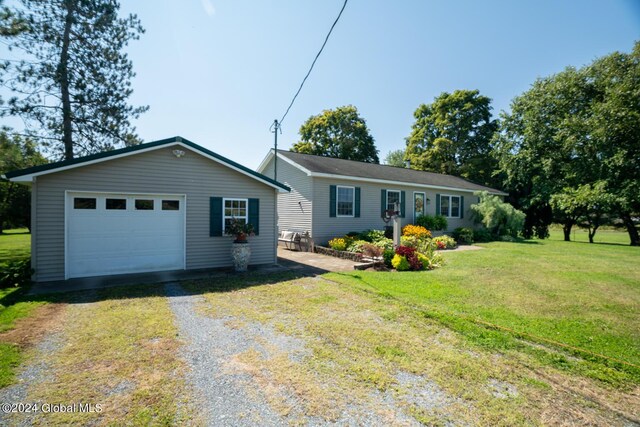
[[241, 253]]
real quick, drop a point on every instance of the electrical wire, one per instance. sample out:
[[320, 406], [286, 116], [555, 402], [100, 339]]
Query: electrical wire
[[326, 39]]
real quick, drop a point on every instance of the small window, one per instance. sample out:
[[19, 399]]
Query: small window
[[345, 201], [84, 203], [116, 204], [144, 205], [450, 206], [171, 205], [235, 208], [393, 197]]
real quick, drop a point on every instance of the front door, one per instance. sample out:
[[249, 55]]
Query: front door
[[418, 205]]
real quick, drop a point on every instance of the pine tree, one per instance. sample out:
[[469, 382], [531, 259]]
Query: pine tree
[[72, 81]]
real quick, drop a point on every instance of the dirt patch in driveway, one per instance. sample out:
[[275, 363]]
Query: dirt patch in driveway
[[30, 330]]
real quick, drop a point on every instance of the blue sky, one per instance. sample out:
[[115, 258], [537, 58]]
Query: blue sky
[[219, 72]]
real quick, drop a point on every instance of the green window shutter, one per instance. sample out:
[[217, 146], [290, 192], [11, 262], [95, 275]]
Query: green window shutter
[[402, 203], [332, 201], [215, 216], [437, 204], [254, 215], [461, 206], [383, 202], [356, 208]]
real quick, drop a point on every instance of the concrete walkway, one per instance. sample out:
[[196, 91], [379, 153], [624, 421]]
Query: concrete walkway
[[311, 262]]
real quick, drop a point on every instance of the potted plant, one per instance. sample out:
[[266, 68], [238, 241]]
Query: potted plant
[[240, 249]]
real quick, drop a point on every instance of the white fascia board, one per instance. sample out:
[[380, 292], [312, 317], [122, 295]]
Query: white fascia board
[[265, 161], [291, 162], [29, 177], [386, 182]]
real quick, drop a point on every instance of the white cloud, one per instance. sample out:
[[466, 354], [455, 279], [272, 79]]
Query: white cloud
[[208, 7]]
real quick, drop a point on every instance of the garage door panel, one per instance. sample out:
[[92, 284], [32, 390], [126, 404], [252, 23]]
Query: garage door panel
[[112, 241]]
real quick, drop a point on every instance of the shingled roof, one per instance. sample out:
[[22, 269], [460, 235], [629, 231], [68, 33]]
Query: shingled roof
[[320, 166]]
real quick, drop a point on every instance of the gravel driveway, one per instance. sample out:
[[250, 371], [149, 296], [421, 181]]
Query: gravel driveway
[[223, 395], [229, 395]]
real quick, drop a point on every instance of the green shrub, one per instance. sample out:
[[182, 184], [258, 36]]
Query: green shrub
[[410, 241], [463, 235], [353, 234], [371, 236], [384, 243], [338, 244], [437, 222], [445, 242], [356, 246], [424, 260], [400, 263], [387, 256], [16, 272], [500, 218], [482, 235]]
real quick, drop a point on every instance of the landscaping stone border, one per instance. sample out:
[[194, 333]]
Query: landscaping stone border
[[338, 254]]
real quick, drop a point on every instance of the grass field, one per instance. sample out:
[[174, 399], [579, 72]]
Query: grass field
[[586, 296], [581, 235]]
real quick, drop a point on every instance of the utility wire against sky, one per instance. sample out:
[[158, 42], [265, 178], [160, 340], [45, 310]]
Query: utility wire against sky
[[276, 126], [314, 62]]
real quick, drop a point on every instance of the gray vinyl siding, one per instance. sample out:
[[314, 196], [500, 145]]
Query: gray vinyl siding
[[326, 227], [295, 209], [160, 172]]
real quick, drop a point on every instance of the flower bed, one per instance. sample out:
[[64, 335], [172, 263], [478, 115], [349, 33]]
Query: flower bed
[[417, 251]]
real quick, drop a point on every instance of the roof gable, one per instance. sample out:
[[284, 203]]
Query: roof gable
[[27, 175], [331, 167]]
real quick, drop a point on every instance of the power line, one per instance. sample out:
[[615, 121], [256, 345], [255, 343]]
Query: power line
[[313, 63]]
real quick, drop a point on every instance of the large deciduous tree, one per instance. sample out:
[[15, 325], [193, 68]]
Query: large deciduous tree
[[578, 127], [536, 156], [453, 135], [71, 80], [338, 133]]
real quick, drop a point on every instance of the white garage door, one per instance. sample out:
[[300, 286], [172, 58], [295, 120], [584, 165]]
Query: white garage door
[[124, 233]]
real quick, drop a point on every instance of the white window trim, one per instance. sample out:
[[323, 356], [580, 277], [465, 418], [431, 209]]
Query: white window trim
[[353, 201], [450, 196], [399, 197], [224, 202], [424, 204]]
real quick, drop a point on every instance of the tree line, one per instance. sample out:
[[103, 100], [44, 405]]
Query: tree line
[[567, 152]]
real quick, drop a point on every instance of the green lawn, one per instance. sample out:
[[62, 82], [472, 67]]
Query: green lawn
[[602, 236], [576, 294], [14, 244]]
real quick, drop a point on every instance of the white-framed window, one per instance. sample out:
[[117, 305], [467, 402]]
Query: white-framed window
[[450, 206], [419, 201], [234, 208], [393, 197], [345, 200]]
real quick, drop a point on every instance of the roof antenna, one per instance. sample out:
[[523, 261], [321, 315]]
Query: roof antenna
[[275, 127]]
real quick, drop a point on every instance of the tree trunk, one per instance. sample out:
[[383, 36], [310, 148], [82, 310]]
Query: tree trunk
[[592, 233], [566, 228], [63, 75], [631, 229]]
